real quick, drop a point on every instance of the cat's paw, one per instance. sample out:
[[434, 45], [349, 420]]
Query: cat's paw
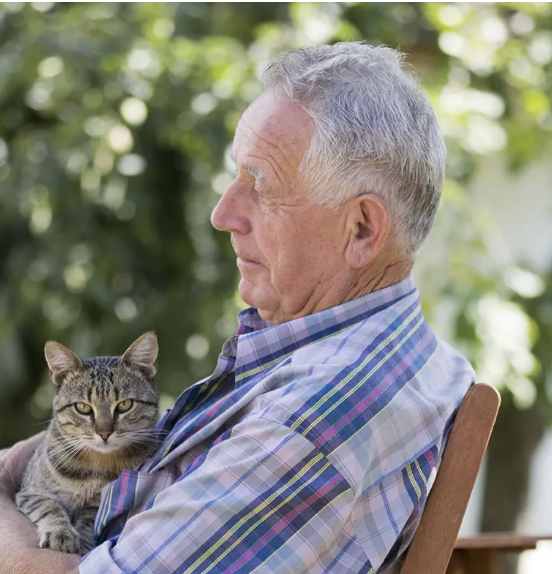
[[61, 539]]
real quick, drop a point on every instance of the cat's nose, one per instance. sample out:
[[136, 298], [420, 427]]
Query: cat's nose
[[105, 435]]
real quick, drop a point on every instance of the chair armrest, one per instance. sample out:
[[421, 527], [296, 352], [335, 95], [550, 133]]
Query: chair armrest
[[501, 541]]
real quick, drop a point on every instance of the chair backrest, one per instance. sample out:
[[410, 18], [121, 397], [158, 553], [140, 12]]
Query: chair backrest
[[433, 542]]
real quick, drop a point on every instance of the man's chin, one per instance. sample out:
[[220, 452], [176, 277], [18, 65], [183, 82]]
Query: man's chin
[[254, 296], [246, 291]]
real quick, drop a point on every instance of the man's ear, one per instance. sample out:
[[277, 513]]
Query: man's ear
[[369, 226], [61, 361], [143, 354]]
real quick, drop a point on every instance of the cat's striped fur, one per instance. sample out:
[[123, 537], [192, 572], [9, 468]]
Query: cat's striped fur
[[90, 439]]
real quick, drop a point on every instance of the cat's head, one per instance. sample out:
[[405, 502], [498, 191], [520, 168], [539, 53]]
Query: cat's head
[[106, 403]]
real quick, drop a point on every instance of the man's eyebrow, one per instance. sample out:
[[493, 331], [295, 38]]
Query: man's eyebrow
[[258, 173]]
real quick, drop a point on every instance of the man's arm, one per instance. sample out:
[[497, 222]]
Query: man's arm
[[261, 499], [18, 541]]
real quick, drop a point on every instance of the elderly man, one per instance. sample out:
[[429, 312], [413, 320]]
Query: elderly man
[[313, 445]]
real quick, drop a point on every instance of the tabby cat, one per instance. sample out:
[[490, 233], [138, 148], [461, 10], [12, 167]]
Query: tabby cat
[[104, 415]]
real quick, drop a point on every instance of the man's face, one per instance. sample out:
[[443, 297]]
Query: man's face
[[287, 250]]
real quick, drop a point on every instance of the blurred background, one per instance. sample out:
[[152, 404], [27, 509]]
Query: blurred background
[[115, 122]]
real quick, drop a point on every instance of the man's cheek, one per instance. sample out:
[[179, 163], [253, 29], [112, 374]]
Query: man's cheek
[[287, 277]]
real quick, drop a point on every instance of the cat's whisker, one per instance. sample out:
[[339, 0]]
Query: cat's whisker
[[63, 442], [68, 455], [143, 433], [61, 450], [141, 440], [138, 437], [57, 449], [60, 447], [44, 423], [64, 460], [141, 444], [150, 429]]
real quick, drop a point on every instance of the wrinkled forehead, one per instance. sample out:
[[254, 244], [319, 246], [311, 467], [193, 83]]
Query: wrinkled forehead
[[275, 126]]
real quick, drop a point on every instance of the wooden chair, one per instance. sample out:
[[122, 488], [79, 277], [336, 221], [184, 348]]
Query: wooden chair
[[481, 554], [433, 543]]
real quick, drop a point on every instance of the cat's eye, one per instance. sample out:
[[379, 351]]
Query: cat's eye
[[83, 408], [124, 406]]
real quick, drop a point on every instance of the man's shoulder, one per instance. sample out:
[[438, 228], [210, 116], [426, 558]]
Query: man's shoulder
[[370, 405]]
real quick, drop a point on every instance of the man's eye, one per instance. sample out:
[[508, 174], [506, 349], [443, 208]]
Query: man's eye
[[124, 406], [83, 408]]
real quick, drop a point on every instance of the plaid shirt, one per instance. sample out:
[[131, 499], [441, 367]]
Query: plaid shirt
[[311, 448]]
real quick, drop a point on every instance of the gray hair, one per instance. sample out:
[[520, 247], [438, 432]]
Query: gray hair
[[375, 131]]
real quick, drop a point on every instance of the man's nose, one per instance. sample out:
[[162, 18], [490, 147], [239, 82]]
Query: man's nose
[[229, 213]]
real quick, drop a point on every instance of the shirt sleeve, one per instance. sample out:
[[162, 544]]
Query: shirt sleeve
[[387, 515], [261, 498]]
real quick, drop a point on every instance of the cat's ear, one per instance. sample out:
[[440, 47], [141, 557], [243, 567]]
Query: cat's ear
[[143, 354], [61, 361]]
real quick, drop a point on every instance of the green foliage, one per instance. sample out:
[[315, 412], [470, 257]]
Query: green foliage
[[115, 120]]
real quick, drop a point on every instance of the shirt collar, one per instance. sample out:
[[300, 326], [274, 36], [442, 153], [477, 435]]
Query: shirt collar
[[260, 344]]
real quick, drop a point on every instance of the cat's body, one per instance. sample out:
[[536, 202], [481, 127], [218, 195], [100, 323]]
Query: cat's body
[[104, 415]]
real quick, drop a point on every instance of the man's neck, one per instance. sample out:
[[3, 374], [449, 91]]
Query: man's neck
[[353, 285], [380, 278]]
